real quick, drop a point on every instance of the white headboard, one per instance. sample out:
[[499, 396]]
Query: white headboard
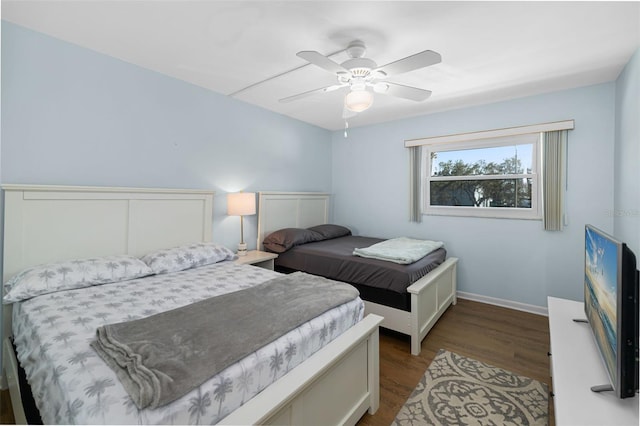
[[279, 210], [51, 223], [45, 224]]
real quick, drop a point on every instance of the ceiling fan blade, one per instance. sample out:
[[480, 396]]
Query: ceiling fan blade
[[312, 92], [402, 91], [321, 61], [410, 63]]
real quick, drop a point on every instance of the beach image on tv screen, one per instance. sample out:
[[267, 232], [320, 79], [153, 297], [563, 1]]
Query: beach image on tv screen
[[600, 295]]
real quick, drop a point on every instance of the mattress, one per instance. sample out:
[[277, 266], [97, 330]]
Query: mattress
[[72, 385], [377, 280]]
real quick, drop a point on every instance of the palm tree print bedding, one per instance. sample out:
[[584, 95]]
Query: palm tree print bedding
[[72, 385]]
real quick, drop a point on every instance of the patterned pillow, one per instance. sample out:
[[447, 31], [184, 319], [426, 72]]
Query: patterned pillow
[[185, 257], [52, 277]]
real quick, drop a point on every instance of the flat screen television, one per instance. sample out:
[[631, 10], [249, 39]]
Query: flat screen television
[[611, 307]]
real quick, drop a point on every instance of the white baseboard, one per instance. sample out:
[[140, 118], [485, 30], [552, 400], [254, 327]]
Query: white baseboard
[[533, 309]]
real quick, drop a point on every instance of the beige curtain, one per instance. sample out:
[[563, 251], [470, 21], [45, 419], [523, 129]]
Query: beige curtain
[[554, 148], [415, 169]]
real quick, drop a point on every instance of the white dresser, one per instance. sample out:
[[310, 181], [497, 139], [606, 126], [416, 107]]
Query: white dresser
[[575, 367]]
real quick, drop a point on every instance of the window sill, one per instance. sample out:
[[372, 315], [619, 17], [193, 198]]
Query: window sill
[[501, 213]]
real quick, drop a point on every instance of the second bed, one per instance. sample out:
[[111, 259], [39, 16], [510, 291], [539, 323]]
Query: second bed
[[411, 298]]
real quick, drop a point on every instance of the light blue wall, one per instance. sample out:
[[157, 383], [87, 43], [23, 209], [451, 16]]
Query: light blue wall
[[515, 260], [627, 155], [75, 117], [71, 116]]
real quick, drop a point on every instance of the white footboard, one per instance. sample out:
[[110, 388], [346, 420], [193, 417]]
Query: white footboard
[[335, 386], [430, 297]]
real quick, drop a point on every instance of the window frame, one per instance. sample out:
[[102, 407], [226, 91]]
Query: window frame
[[533, 213]]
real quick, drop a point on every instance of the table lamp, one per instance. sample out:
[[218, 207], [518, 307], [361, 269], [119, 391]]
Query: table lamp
[[241, 204]]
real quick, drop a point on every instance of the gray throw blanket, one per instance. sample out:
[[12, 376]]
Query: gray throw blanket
[[162, 357]]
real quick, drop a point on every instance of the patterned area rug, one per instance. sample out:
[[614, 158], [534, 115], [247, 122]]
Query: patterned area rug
[[456, 390]]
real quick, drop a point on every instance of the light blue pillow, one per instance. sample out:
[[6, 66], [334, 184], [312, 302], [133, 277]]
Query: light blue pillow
[[72, 274]]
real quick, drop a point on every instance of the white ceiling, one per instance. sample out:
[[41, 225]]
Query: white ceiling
[[490, 51]]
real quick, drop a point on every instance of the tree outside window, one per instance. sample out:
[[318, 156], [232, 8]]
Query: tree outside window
[[484, 176]]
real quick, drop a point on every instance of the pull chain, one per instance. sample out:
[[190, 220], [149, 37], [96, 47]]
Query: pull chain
[[346, 126]]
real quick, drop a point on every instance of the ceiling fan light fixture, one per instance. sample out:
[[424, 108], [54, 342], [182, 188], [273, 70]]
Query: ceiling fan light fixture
[[364, 78], [358, 100]]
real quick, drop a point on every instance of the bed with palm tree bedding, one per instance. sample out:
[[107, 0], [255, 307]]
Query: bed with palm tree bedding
[[73, 385], [119, 309]]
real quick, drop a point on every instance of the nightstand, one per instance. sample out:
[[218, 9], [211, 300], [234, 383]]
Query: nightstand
[[258, 258]]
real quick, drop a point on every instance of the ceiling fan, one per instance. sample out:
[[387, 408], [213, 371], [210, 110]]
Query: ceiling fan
[[358, 74]]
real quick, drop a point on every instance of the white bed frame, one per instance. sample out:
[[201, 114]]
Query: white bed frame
[[337, 385], [430, 296]]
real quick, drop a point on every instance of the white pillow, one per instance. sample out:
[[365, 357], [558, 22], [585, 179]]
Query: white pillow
[[186, 257], [52, 277]]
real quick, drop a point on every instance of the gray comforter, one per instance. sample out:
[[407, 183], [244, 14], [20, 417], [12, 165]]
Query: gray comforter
[[162, 357]]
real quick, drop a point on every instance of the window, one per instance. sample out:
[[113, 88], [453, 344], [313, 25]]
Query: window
[[496, 177]]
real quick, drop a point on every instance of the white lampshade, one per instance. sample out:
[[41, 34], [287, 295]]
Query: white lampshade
[[358, 100], [241, 203]]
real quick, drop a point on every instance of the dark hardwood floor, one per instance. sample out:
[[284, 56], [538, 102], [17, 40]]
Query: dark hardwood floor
[[513, 340], [509, 339], [6, 414]]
